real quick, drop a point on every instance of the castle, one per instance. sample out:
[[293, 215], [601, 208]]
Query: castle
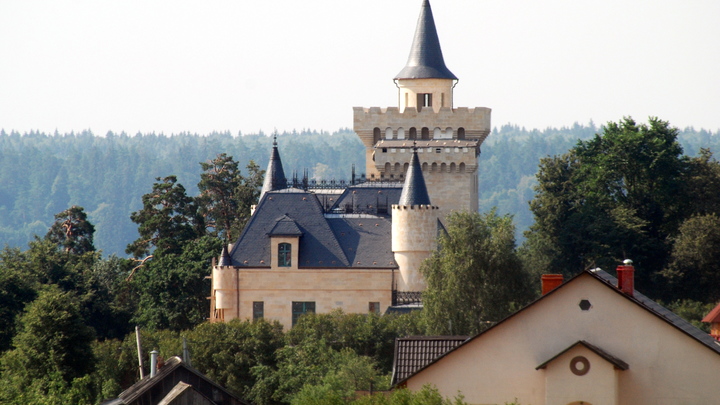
[[359, 248]]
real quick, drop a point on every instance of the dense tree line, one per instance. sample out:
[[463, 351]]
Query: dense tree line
[[44, 174]]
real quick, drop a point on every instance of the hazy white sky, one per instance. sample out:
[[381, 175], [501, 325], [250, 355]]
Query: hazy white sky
[[171, 66]]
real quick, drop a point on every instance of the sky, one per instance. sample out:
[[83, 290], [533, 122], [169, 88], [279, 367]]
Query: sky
[[171, 66]]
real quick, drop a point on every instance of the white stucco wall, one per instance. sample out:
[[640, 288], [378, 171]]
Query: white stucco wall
[[666, 366]]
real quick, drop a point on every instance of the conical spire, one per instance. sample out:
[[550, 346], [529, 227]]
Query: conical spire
[[225, 259], [414, 191], [274, 175], [426, 59]]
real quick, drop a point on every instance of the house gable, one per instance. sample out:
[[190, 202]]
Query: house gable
[[501, 363]]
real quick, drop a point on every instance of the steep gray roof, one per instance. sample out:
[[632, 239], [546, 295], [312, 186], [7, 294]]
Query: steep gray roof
[[285, 226], [274, 175], [414, 190], [337, 241], [224, 258], [426, 59]]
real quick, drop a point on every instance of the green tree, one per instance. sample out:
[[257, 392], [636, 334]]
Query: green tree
[[475, 277], [52, 342], [226, 195], [17, 289], [694, 268], [172, 288], [167, 220], [621, 194], [72, 231]]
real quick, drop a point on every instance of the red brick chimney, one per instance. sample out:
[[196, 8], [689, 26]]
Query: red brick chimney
[[550, 282], [626, 277]]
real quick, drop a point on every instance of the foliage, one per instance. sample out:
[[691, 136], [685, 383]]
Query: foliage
[[72, 231], [694, 268], [693, 312], [475, 277], [369, 335], [226, 195], [52, 337], [428, 395], [167, 220], [622, 194], [171, 288]]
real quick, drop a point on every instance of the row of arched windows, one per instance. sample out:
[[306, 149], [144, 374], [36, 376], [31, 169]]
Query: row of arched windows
[[433, 167], [425, 134]]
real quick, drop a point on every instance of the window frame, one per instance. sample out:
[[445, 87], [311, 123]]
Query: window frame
[[284, 254]]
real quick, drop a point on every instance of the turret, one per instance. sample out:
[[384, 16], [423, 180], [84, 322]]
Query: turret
[[414, 228], [425, 81], [224, 299]]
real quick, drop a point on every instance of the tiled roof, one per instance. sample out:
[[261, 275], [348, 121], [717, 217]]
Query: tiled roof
[[426, 59], [713, 316], [415, 352], [414, 191]]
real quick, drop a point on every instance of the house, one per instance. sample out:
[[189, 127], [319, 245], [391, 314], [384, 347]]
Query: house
[[592, 340], [176, 383], [358, 246]]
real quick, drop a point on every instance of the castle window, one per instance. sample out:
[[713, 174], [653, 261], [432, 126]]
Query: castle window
[[300, 308], [424, 100], [284, 255], [258, 310], [374, 307]]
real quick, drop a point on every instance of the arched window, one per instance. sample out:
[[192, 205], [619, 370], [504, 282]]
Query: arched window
[[376, 135], [461, 133], [401, 133], [388, 133], [284, 255], [425, 133], [413, 133]]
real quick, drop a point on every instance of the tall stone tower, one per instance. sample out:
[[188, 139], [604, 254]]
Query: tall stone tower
[[448, 138]]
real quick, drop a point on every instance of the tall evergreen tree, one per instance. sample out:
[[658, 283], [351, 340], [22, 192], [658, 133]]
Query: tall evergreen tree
[[72, 231]]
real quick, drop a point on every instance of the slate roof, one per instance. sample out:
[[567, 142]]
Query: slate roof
[[640, 299], [368, 197], [326, 241], [274, 175], [426, 59], [285, 226], [619, 364], [415, 352], [414, 191]]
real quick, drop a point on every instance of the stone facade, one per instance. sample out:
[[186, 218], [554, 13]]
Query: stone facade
[[414, 231]]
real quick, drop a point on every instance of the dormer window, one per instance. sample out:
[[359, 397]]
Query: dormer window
[[284, 255]]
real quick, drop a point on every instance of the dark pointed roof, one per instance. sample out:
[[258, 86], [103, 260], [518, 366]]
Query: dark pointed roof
[[414, 190], [274, 175], [225, 258], [285, 226], [426, 59]]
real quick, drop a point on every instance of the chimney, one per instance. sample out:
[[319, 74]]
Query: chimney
[[153, 363], [550, 282], [626, 277]]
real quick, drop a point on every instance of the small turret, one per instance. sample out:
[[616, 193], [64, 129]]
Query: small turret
[[274, 175], [414, 228]]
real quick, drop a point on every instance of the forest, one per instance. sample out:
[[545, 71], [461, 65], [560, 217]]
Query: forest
[[102, 233]]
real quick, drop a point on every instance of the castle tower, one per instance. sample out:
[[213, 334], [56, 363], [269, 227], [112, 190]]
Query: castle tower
[[224, 300], [448, 138], [414, 228]]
